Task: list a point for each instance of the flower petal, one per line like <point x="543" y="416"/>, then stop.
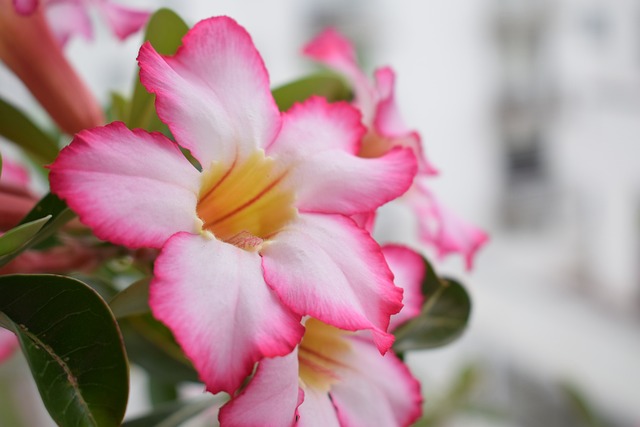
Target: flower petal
<point x="317" y="410"/>
<point x="122" y="20"/>
<point x="132" y="188"/>
<point x="318" y="144"/>
<point x="8" y="344"/>
<point x="14" y="174"/>
<point x="388" y="122"/>
<point x="67" y="18"/>
<point x="214" y="93"/>
<point x="25" y="7"/>
<point x="442" y="228"/>
<point x="213" y="297"/>
<point x="335" y="51"/>
<point x="408" y="270"/>
<point x="327" y="267"/>
<point x="271" y="398"/>
<point x="375" y="390"/>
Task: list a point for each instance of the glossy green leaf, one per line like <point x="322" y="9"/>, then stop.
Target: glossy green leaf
<point x="132" y="300"/>
<point x="443" y="318"/>
<point x="15" y="238"/>
<point x="18" y="128"/>
<point x="174" y="414"/>
<point x="49" y="206"/>
<point x="164" y="31"/>
<point x="73" y="346"/>
<point x="329" y="86"/>
<point x="151" y="346"/>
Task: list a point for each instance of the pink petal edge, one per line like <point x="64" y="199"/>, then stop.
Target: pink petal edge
<point x="408" y="269"/>
<point x="271" y="398"/>
<point x="326" y="267"/>
<point x="132" y="188"/>
<point x="214" y="92"/>
<point x="214" y="299"/>
<point x="325" y="170"/>
<point x="375" y="391"/>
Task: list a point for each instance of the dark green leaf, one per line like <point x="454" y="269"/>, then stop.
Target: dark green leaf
<point x="174" y="414"/>
<point x="164" y="31"/>
<point x="132" y="300"/>
<point x="18" y="128"/>
<point x="72" y="344"/>
<point x="443" y="318"/>
<point x="162" y="392"/>
<point x="329" y="86"/>
<point x="151" y="346"/>
<point x="13" y="239"/>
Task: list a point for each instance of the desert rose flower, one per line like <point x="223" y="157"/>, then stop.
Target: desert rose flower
<point x="30" y="50"/>
<point x="438" y="225"/>
<point x="262" y="234"/>
<point x="336" y="378"/>
<point x="69" y="17"/>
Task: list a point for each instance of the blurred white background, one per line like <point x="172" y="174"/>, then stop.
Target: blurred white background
<point x="531" y="111"/>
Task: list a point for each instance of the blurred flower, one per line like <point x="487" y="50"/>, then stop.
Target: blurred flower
<point x="8" y="344"/>
<point x="386" y="130"/>
<point x="16" y="197"/>
<point x="260" y="237"/>
<point x="443" y="228"/>
<point x="16" y="200"/>
<point x="30" y="50"/>
<point x="69" y="17"/>
<point x="337" y="378"/>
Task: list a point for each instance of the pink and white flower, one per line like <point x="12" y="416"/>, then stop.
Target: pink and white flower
<point x="439" y="226"/>
<point x="336" y="378"/>
<point x="262" y="235"/>
<point x="70" y="17"/>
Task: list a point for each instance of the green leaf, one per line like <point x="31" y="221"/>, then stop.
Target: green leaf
<point x="17" y="127"/>
<point x="13" y="239"/>
<point x="581" y="406"/>
<point x="73" y="346"/>
<point x="175" y="413"/>
<point x="164" y="31"/>
<point x="132" y="300"/>
<point x="443" y="318"/>
<point x="119" y="110"/>
<point x="151" y="345"/>
<point x="329" y="86"/>
<point x="49" y="206"/>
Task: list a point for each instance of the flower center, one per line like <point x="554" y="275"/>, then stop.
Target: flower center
<point x="246" y="203"/>
<point x="318" y="355"/>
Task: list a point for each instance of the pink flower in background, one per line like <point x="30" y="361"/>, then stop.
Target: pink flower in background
<point x="439" y="227"/>
<point x="262" y="235"/>
<point x="8" y="344"/>
<point x="30" y="50"/>
<point x="16" y="198"/>
<point x="69" y="17"/>
<point x="443" y="228"/>
<point x="336" y="378"/>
